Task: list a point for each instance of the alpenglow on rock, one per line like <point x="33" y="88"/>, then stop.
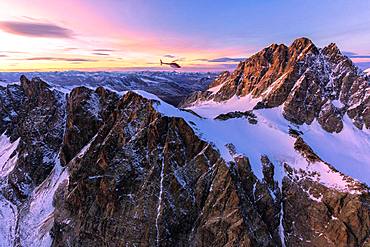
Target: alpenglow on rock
<point x="305" y="81"/>
<point x="93" y="167"/>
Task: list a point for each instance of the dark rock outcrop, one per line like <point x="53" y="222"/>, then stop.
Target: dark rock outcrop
<point x="34" y="113"/>
<point x="86" y="111"/>
<point x="249" y="115"/>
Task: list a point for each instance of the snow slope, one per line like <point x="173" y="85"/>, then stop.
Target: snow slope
<point x="7" y="161"/>
<point x="37" y="218"/>
<point x="347" y="151"/>
<point x="8" y="219"/>
<point x="31" y="222"/>
<point x="8" y="211"/>
<point x="212" y="109"/>
<point x="269" y="137"/>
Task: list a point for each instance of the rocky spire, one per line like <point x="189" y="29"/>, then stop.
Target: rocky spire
<point x="301" y="47"/>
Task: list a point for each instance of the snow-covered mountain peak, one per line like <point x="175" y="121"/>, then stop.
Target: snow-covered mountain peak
<point x="308" y="82"/>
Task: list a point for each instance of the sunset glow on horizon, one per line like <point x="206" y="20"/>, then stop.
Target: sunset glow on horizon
<point x="201" y="36"/>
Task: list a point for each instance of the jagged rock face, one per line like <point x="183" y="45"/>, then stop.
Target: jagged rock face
<point x="33" y="113"/>
<point x="329" y="219"/>
<point x="307" y="81"/>
<point x="220" y="79"/>
<point x="259" y="72"/>
<point x="11" y="99"/>
<point x="86" y="111"/>
<point x="153" y="175"/>
<point x="336" y="225"/>
<point x="108" y="182"/>
<point x="201" y="96"/>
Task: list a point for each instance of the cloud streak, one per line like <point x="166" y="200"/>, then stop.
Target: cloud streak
<point x="363" y="65"/>
<point x="59" y="59"/>
<point x="69" y="49"/>
<point x="225" y="60"/>
<point x="100" y="54"/>
<point x="13" y="52"/>
<point x="222" y="60"/>
<point x="35" y="29"/>
<point x="103" y="50"/>
<point x="354" y="55"/>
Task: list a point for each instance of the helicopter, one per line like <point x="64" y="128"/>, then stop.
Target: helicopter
<point x="173" y="64"/>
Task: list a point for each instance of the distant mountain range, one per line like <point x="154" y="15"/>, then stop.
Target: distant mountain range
<point x="275" y="153"/>
<point x="170" y="86"/>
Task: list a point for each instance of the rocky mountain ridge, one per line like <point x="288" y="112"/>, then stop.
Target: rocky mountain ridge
<point x="307" y="82"/>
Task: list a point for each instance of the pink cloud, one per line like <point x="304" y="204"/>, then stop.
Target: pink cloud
<point x="35" y="29"/>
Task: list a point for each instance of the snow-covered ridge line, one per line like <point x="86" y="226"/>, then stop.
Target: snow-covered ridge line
<point x="270" y="136"/>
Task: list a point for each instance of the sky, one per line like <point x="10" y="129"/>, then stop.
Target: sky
<point x="207" y="35"/>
